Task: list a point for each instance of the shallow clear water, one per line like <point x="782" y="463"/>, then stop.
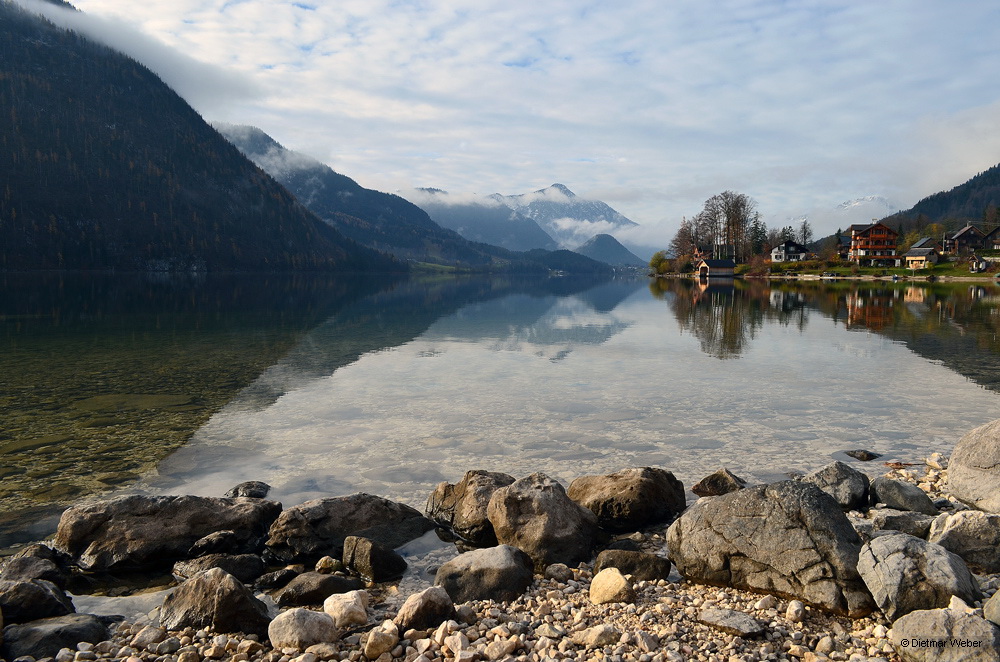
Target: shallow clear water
<point x="395" y="391"/>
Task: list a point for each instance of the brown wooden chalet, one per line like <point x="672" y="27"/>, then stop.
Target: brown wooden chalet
<point x="715" y="268"/>
<point x="968" y="239"/>
<point x="873" y="245"/>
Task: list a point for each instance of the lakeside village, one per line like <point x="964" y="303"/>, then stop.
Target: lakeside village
<point x="873" y="251"/>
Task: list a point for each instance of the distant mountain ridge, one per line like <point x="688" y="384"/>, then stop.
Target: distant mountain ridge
<point x="105" y="167"/>
<point x="605" y="248"/>
<point x="569" y="219"/>
<point x="484" y="220"/>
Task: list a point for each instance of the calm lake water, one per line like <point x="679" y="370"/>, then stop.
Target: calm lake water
<point x="327" y="386"/>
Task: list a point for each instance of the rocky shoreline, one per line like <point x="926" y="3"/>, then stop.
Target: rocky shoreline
<point x="831" y="565"/>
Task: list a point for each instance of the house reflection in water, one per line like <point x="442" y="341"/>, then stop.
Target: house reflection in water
<point x="871" y="309"/>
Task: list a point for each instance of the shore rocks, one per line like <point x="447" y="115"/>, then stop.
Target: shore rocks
<point x="732" y="622"/>
<point x="609" y="585"/>
<point x="26" y="568"/>
<point x="347" y="609"/>
<point x="642" y="566"/>
<point x="974" y="468"/>
<point x="496" y="573"/>
<point x="301" y="628"/>
<point x="973" y="535"/>
<point x="214" y="599"/>
<point x="311" y="588"/>
<point x="372" y="561"/>
<point x="630" y="499"/>
<point x="22" y="601"/>
<point x="905" y="574"/>
<point x="788" y="538"/>
<point x="244" y="567"/>
<point x="848" y="486"/>
<point x="251" y="489"/>
<point x="721" y="482"/>
<point x="462" y="507"/>
<point x="425" y="610"/>
<point x="904" y="521"/>
<point x="535" y="515"/>
<point x="147" y="531"/>
<point x="318" y="528"/>
<point x="47" y="636"/>
<point x="901" y="495"/>
<point x="945" y="635"/>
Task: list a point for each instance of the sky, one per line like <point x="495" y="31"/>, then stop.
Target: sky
<point x="652" y="106"/>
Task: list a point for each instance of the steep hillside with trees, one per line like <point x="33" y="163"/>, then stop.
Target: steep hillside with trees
<point x="974" y="201"/>
<point x="102" y="166"/>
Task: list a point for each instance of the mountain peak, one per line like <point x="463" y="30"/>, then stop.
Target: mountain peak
<point x="561" y="188"/>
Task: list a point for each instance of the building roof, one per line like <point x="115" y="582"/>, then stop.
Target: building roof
<point x="790" y="246"/>
<point x="923" y="242"/>
<point x="860" y="229"/>
<point x="920" y="252"/>
<point x="719" y="264"/>
<point x="967" y="228"/>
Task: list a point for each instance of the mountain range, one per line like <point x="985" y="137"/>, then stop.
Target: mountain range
<point x="605" y="248"/>
<point x="105" y="167"/>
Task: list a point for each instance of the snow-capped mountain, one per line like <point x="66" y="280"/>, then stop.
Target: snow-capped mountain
<point x="864" y="209"/>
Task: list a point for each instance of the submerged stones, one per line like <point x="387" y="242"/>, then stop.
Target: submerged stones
<point x="788" y="538"/>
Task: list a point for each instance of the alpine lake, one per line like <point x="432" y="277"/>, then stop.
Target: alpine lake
<point x="329" y="385"/>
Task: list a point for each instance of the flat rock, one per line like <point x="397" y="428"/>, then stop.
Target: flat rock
<point x="597" y="636"/>
<point x="301" y="628"/>
<point x="244" y="567"/>
<point x="318" y="528"/>
<point x="974" y="468"/>
<point x="155" y="531"/>
<point x="24" y="601"/>
<point x="721" y="482"/>
<point x="371" y="560"/>
<point x="945" y="635"/>
<point x="26" y="568"/>
<point x="462" y="507"/>
<point x="902" y="495"/>
<point x="312" y="588"/>
<point x="973" y="535"/>
<point x="789" y="538"/>
<point x="45" y="637"/>
<point x="630" y="499"/>
<point x="216" y="600"/>
<point x="906" y="574"/>
<point x="732" y="622"/>
<point x="863" y="455"/>
<point x="535" y="515"/>
<point x="499" y="573"/>
<point x="848" y="486"/>
<point x="905" y="521"/>
<point x="642" y="566"/>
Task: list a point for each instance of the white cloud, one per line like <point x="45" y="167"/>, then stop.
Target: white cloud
<point x="801" y="106"/>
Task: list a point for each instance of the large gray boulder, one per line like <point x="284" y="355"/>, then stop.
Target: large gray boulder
<point x="462" y="507"/>
<point x="902" y="495"/>
<point x="535" y="515"/>
<point x="789" y="538"/>
<point x="45" y="637"/>
<point x="318" y="528"/>
<point x="26" y="568"/>
<point x="905" y="574"/>
<point x="216" y="600"/>
<point x="154" y="531"/>
<point x="974" y="468"/>
<point x="848" y="486"/>
<point x="425" y="610"/>
<point x="630" y="499"/>
<point x="499" y="573"/>
<point x="904" y="521"/>
<point x="301" y="628"/>
<point x="945" y="635"/>
<point x="973" y="535"/>
<point x="22" y="601"/>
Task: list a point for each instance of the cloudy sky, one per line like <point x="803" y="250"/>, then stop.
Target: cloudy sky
<point x="650" y="105"/>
